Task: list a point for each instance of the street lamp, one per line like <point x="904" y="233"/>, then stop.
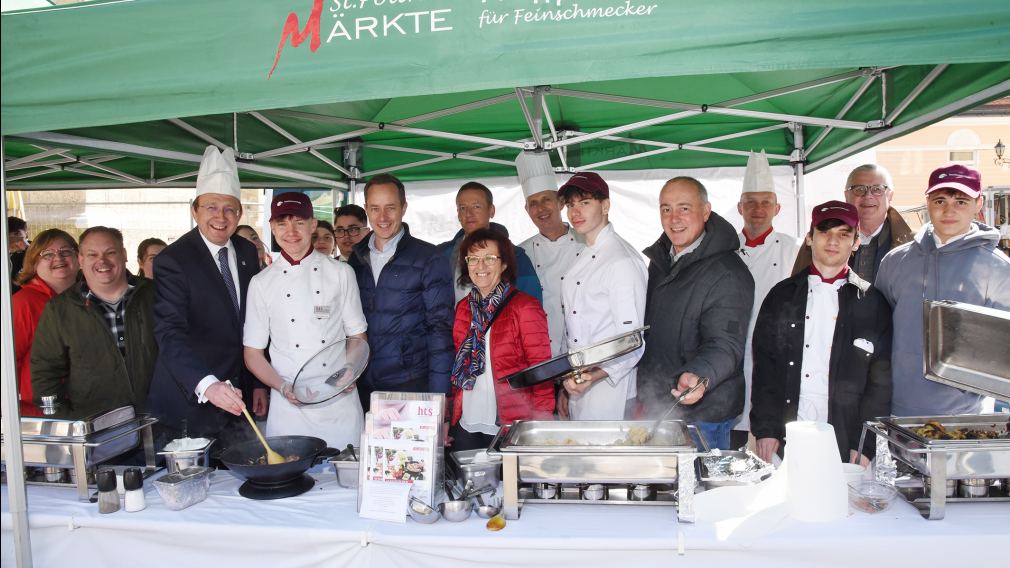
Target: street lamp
<point x="1000" y="160"/>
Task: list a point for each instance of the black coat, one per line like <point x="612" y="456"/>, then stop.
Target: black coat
<point x="198" y="331"/>
<point x="859" y="383"/>
<point x="698" y="311"/>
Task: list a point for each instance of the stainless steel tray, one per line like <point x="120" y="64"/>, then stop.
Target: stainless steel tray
<point x="607" y="349"/>
<point x="966" y="347"/>
<point x="594" y="437"/>
<point x="73" y="430"/>
<point x="588" y="451"/>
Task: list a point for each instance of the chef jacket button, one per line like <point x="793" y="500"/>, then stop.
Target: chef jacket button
<point x="574" y="312"/>
<point x="575" y="341"/>
<point x="807" y="345"/>
<point x="577" y="283"/>
<point x="323" y="341"/>
<point x="538" y="266"/>
<point x="285" y="272"/>
<point x="594" y="256"/>
<point x="775" y="264"/>
<point x="788" y="401"/>
<point x="791" y="363"/>
<point x="292" y="320"/>
<point x="563" y="276"/>
<point x="808" y="317"/>
<point x="296" y="345"/>
<point x="807" y="375"/>
<point x="315" y="268"/>
<point x="317" y="291"/>
<point x="793" y="324"/>
<point x="288" y="295"/>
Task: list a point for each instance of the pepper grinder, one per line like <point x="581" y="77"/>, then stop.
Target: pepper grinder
<point x="108" y="497"/>
<point x="133" y="482"/>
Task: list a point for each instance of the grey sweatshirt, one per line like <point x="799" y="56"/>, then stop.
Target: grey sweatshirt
<point x="969" y="270"/>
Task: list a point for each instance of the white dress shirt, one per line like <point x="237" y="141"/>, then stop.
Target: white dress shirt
<point x="818" y="335"/>
<point x="603" y="295"/>
<point x="206" y="382"/>
<point x="380" y="258"/>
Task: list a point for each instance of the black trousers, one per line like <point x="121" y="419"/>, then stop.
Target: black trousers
<point x="463" y="440"/>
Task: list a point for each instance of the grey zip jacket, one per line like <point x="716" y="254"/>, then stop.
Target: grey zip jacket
<point x="970" y="269"/>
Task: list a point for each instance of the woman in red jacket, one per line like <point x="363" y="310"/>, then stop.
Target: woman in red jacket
<point x="498" y="330"/>
<point x="51" y="266"/>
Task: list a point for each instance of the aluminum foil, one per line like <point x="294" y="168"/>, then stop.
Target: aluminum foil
<point x="735" y="467"/>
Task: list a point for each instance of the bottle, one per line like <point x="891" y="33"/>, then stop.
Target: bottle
<point x="133" y="482"/>
<point x="108" y="497"/>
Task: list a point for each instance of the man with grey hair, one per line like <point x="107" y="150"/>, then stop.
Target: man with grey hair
<point x="700" y="296"/>
<point x="881" y="227"/>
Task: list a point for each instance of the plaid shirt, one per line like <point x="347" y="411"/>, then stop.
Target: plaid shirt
<point x="114" y="316"/>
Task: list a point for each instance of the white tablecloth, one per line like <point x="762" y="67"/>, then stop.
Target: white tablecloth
<point x="321" y="528"/>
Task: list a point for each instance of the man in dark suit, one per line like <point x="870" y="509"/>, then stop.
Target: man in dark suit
<point x="199" y="311"/>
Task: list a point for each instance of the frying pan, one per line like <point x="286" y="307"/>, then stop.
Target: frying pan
<point x="242" y="458"/>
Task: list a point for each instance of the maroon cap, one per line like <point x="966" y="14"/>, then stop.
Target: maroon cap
<point x="291" y="203"/>
<point x="586" y="182"/>
<point x="961" y="178"/>
<point x="844" y="212"/>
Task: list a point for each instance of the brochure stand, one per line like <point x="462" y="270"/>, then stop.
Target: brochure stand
<point x="402" y="453"/>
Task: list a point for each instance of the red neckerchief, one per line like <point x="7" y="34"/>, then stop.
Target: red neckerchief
<point x="294" y="262"/>
<point x="843" y="274"/>
<point x="758" y="240"/>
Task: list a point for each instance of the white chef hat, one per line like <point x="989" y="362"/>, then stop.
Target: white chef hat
<point x="758" y="176"/>
<point x="218" y="173"/>
<point x="536" y="173"/>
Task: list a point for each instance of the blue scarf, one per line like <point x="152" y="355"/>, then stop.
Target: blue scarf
<point x="469" y="363"/>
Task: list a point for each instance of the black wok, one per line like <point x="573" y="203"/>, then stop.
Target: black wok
<point x="243" y="459"/>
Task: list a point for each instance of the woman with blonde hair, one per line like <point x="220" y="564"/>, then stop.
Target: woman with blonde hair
<point x="51" y="266"/>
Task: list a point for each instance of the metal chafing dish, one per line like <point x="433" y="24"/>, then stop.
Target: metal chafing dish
<point x="556" y="462"/>
<point x="80" y="445"/>
<point x="965" y="347"/>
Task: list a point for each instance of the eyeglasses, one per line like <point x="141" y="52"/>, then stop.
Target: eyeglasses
<point x="214" y="210"/>
<point x="489" y="260"/>
<point x="862" y="190"/>
<point x="352" y="231"/>
<point x="50" y="255"/>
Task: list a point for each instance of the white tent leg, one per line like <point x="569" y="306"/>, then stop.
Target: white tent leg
<point x="801" y="200"/>
<point x="16" y="496"/>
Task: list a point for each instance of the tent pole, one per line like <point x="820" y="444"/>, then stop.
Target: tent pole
<point x="16" y="495"/>
<point x="797" y="159"/>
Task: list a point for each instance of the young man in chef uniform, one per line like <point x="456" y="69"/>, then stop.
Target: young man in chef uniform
<point x="302" y="303"/>
<point x="556" y="245"/>
<point x="768" y="254"/>
<point x="602" y="296"/>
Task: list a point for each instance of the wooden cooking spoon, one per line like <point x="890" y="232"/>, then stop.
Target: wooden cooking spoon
<point x="273" y="457"/>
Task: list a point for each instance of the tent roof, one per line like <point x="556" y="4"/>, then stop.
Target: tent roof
<point x="128" y="93"/>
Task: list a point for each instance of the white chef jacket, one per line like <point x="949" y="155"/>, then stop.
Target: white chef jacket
<point x="603" y="295"/>
<point x="769" y="263"/>
<point x="552" y="259"/>
<point x="818" y="335"/>
<point x="298" y="310"/>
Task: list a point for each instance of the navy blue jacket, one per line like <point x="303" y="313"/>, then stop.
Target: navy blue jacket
<point x="409" y="313"/>
<point x="198" y="332"/>
<point x="526" y="276"/>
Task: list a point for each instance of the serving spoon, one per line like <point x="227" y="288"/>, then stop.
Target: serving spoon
<point x="273" y="457"/>
<point x="702" y="382"/>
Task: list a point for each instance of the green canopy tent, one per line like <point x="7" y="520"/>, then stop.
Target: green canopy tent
<point x="314" y="93"/>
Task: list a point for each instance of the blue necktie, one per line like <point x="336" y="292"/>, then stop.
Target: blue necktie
<point x="229" y="282"/>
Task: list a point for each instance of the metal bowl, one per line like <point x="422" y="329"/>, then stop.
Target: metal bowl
<point x="421" y="512"/>
<point x="455" y="511"/>
<point x="487" y="511"/>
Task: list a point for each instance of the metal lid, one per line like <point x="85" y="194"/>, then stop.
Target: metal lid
<point x="965" y="347"/>
<point x="331" y="371"/>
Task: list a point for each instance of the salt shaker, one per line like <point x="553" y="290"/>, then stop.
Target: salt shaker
<point x="133" y="482"/>
<point x="108" y="497"/>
